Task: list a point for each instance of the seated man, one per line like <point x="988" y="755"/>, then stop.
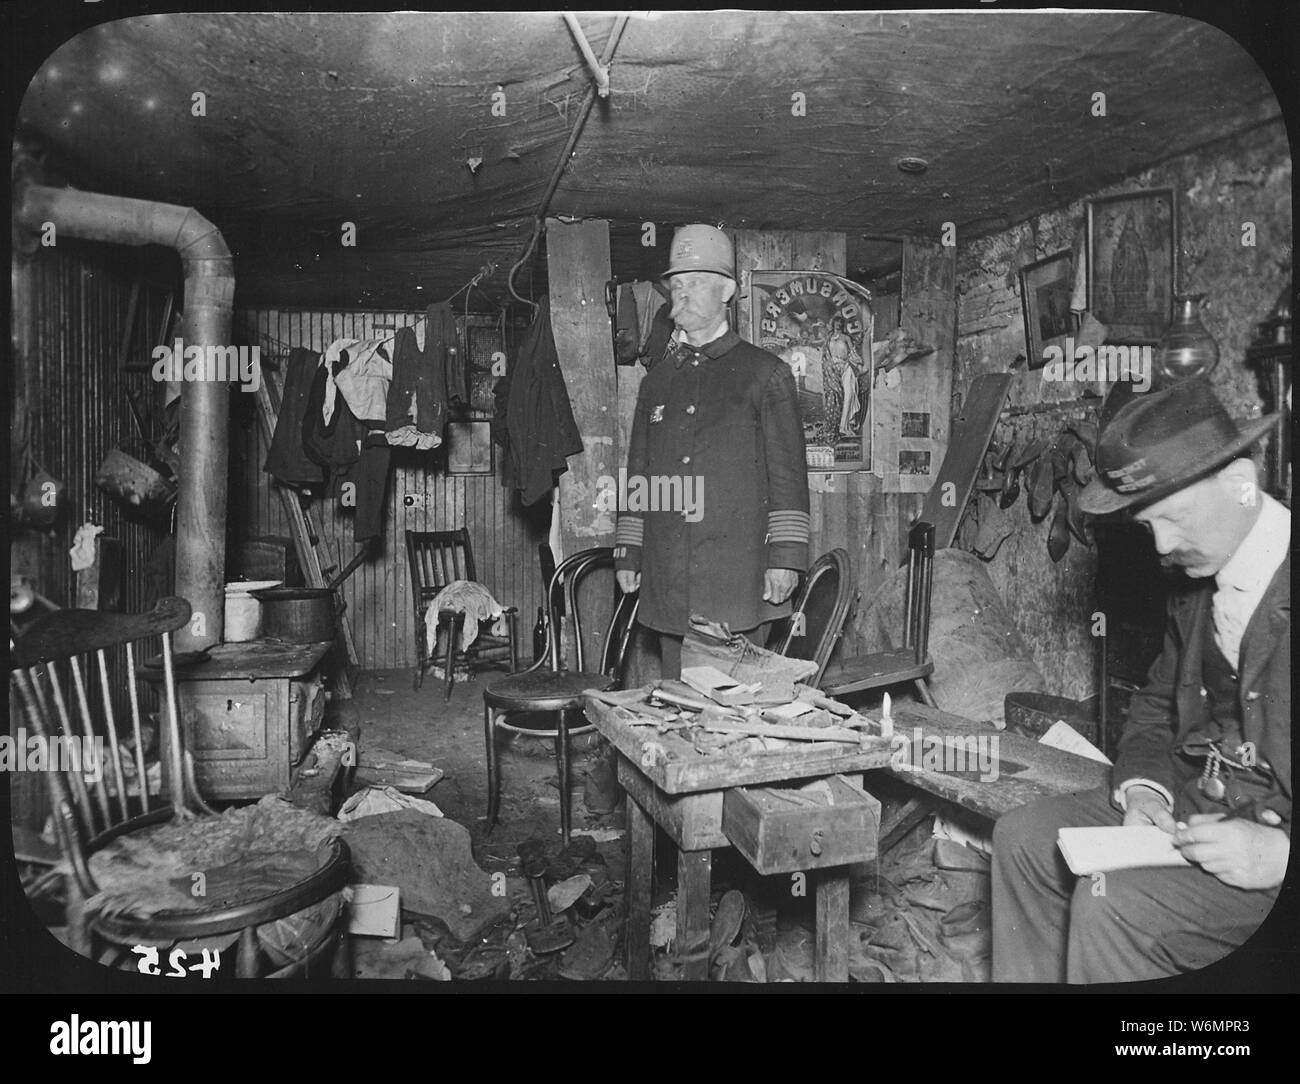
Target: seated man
<point x="1206" y="752"/>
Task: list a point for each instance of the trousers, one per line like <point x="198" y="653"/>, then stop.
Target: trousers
<point x="1123" y="926"/>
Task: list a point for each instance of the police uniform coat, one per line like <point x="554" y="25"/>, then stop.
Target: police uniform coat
<point x="1171" y="708"/>
<point x="725" y="419"/>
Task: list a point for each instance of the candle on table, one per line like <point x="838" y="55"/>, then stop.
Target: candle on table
<point x="886" y="720"/>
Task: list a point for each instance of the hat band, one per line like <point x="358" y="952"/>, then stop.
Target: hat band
<point x="1166" y="462"/>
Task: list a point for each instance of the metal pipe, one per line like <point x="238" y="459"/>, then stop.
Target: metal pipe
<point x="205" y="404"/>
<point x="584" y="112"/>
<point x="598" y="70"/>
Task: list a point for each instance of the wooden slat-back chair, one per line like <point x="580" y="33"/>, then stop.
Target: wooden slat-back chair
<point x="911" y="661"/>
<point x="70" y="668"/>
<point x="436" y="559"/>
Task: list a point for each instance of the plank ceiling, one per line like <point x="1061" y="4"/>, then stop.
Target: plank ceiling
<point x="314" y="120"/>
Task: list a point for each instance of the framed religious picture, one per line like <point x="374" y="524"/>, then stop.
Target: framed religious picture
<point x="1131" y="246"/>
<point x="822" y="329"/>
<point x="1045" y="289"/>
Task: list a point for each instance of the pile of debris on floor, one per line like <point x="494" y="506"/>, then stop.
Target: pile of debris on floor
<point x="919" y="914"/>
<point x="551" y="912"/>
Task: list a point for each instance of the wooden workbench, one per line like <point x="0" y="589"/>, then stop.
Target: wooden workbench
<point x="671" y="785"/>
<point x="1026" y="770"/>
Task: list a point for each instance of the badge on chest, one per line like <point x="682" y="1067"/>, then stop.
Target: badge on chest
<point x="657" y="413"/>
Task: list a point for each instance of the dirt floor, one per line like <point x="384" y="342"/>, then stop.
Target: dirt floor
<point x="469" y="912"/>
<point x="912" y="922"/>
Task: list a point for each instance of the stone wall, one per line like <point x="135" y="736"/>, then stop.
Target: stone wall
<point x="1217" y="189"/>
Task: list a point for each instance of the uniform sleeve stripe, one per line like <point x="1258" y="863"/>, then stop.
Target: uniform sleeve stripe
<point x="788" y="526"/>
<point x="630" y="531"/>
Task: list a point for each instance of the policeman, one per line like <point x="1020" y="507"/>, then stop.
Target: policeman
<point x="717" y="431"/>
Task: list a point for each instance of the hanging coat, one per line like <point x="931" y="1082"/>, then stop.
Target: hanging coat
<point x="434" y="376"/>
<point x="541" y="432"/>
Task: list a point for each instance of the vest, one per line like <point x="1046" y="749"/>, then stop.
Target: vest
<point x="1221" y="723"/>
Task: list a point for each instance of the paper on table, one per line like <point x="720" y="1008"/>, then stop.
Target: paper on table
<point x="1061" y="735"/>
<point x="705" y="678"/>
<point x="1101" y="850"/>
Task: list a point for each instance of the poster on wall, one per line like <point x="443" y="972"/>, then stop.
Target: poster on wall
<point x="822" y="329"/>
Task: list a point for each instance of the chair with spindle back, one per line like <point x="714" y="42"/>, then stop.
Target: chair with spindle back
<point x="545" y="687"/>
<point x="911" y="661"/>
<point x="816" y="622"/>
<point x="66" y="668"/>
<point x="439" y="558"/>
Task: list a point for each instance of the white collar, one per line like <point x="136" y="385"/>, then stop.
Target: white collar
<point x="679" y="335"/>
<point x="1253" y="562"/>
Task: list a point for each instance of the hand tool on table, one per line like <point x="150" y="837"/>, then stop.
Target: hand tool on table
<point x="812" y="696"/>
<point x="787" y="733"/>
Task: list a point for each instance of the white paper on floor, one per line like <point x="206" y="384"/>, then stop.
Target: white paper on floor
<point x="663" y="928"/>
<point x="374" y="800"/>
<point x="600" y="835"/>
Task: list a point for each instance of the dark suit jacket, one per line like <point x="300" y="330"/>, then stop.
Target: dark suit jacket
<point x="1171" y="707"/>
<point x="728" y="418"/>
<point x="540" y="431"/>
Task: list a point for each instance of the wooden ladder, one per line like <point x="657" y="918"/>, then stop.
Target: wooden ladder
<point x="307" y="540"/>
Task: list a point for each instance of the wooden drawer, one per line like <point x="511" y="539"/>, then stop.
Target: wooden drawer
<point x="779" y="833"/>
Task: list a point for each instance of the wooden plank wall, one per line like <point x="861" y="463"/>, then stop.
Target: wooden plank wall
<point x="503" y="534"/>
<point x="577" y="267"/>
<point x="848" y="508"/>
<point x="69" y="408"/>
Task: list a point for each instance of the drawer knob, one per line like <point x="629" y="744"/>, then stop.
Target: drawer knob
<point x="815" y="844"/>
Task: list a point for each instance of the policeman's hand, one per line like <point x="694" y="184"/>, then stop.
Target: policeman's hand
<point x="779" y="584"/>
<point x="1241" y="853"/>
<point x="628" y="581"/>
<point x="1145" y="806"/>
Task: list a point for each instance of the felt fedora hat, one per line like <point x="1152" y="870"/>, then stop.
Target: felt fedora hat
<point x="1161" y="441"/>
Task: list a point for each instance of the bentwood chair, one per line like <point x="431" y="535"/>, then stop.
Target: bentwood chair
<point x="439" y="558"/>
<point x="911" y="661"/>
<point x="82" y="682"/>
<point x="816" y="622"/>
<point x="546" y="688"/>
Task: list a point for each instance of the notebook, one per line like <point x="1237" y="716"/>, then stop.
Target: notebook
<point x="1100" y="850"/>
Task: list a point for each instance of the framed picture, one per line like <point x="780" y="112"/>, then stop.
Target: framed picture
<point x="469" y="447"/>
<point x="1045" y="289"/>
<point x="822" y="329"/>
<point x="1131" y="245"/>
